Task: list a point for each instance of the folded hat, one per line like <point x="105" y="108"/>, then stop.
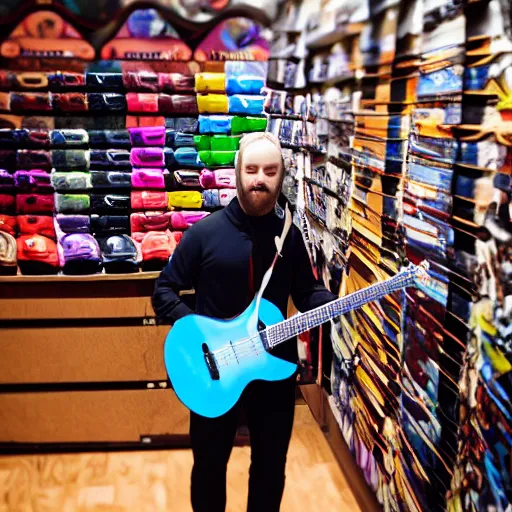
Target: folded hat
<point x="185" y="199"/>
<point x="188" y="158"/>
<point x="107" y="101"/>
<point x="69" y="139"/>
<point x="71" y="180"/>
<point x="65" y="80"/>
<point x="212" y="104"/>
<point x="115" y="159"/>
<point x="110" y="224"/>
<point x="147" y="136"/>
<point x="246" y="104"/>
<point x="72" y="203"/>
<point x="140" y="81"/>
<point x="24" y="139"/>
<point x="34" y="203"/>
<point x="234" y="68"/>
<point x="175" y="82"/>
<point x="118" y="139"/>
<point x="148" y="178"/>
<point x="8" y="250"/>
<point x="244" y="84"/>
<point x="71" y="159"/>
<point x="31" y="159"/>
<point x="184" y="219"/>
<point x="104" y="82"/>
<point x="214" y="124"/>
<point x="111" y="179"/>
<point x="110" y="203"/>
<point x="81" y="254"/>
<point x="73" y="223"/>
<point x="30" y="101"/>
<point x="142" y="102"/>
<point x="40" y="224"/>
<point x="141" y="121"/>
<point x="35" y="180"/>
<point x="177" y="104"/>
<point x="183" y="139"/>
<point x="225" y="143"/>
<point x="183" y="124"/>
<point x="147" y="157"/>
<point x="182" y="179"/>
<point x="37" y="254"/>
<point x="156" y="248"/>
<point x="150" y="221"/>
<point x="70" y="102"/>
<point x="149" y="200"/>
<point x="202" y="142"/>
<point x="119" y="254"/>
<point x="216" y="142"/>
<point x="248" y="124"/>
<point x="220" y="178"/>
<point x="210" y="82"/>
<point x="217" y="158"/>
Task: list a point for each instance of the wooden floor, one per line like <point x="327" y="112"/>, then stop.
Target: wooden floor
<point x="152" y="481"/>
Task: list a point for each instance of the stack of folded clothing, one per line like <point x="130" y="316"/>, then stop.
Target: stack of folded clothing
<point x="27" y="203"/>
<point x="230" y="103"/>
<point x="149" y="219"/>
<point x="8" y="223"/>
<point x="72" y="181"/>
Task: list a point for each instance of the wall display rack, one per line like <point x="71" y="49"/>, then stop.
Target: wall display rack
<point x="412" y="108"/>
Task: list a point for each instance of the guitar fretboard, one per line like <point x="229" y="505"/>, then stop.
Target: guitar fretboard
<point x="303" y="322"/>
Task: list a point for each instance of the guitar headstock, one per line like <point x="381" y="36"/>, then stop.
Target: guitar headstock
<point x="419" y="272"/>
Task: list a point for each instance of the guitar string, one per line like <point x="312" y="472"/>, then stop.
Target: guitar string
<point x="285" y="324"/>
<point x="246" y="351"/>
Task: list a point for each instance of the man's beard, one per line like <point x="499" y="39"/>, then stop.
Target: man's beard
<point x="257" y="200"/>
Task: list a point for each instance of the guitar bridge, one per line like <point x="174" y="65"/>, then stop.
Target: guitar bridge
<point x="210" y="362"/>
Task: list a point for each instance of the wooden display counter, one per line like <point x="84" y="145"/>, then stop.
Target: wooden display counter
<point x="81" y="365"/>
<point x="81" y="368"/>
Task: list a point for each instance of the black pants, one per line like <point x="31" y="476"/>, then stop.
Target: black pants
<point x="269" y="409"/>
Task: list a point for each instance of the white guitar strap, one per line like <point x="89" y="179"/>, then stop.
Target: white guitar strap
<point x="279" y="240"/>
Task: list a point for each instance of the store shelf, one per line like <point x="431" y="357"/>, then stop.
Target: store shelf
<point x="321" y="38"/>
<point x="139" y="276"/>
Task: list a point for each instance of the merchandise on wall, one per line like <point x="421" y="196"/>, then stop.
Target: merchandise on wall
<point x="412" y="106"/>
<point x="109" y="154"/>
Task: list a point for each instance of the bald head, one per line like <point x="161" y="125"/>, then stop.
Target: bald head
<point x="259" y="173"/>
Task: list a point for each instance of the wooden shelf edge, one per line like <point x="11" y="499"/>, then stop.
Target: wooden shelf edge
<point x="137" y="276"/>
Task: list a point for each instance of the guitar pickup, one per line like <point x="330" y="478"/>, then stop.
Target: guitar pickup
<point x="210" y="362"/>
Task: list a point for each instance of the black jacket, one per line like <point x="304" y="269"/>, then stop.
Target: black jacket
<point x="224" y="258"/>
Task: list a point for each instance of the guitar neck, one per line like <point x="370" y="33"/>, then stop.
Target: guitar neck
<point x="303" y="322"/>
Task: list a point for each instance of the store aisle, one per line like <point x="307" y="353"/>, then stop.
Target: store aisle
<point x="158" y="480"/>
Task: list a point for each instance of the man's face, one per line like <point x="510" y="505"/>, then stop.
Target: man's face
<point x="260" y="177"/>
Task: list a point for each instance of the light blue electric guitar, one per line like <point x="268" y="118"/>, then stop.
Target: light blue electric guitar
<point x="210" y="362"/>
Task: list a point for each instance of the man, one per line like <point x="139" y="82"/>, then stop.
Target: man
<point x="224" y="258"/>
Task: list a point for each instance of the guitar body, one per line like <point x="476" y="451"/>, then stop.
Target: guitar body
<point x="238" y="362"/>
